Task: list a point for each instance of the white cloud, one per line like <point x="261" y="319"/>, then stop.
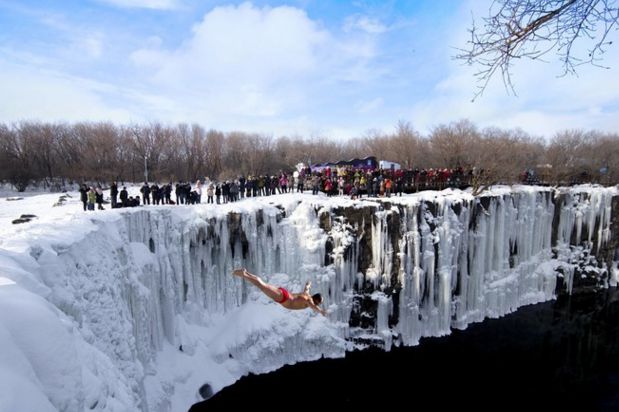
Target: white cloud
<point x="38" y="95"/>
<point x="145" y="4"/>
<point x="365" y="24"/>
<point x="91" y="44"/>
<point x="78" y="39"/>
<point x="545" y="102"/>
<point x="365" y="107"/>
<point x="259" y="69"/>
<point x="255" y="62"/>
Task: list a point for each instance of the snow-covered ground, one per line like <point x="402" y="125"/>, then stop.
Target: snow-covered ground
<point x="128" y="309"/>
<point x="53" y="358"/>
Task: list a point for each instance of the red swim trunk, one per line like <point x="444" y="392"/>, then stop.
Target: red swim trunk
<point x="285" y="296"/>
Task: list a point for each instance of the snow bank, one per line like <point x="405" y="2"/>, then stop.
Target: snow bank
<point x="135" y="309"/>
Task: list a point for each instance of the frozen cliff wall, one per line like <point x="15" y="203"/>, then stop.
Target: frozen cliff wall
<point x="446" y="262"/>
<point x="147" y="297"/>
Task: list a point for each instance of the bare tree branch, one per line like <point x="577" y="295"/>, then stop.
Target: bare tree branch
<point x="516" y="29"/>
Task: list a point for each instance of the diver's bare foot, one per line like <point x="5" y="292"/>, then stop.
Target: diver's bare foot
<point x="238" y="272"/>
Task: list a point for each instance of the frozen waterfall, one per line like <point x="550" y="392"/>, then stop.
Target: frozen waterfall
<point x="140" y="309"/>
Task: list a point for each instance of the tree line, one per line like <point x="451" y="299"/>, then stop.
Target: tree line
<point x="32" y="151"/>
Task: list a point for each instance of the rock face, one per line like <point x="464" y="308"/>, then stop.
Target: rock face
<point x="390" y="270"/>
<point x="423" y="268"/>
<point x="397" y="269"/>
<point x="608" y="254"/>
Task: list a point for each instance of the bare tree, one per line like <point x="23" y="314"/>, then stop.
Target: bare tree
<point x="292" y="150"/>
<point x="407" y="147"/>
<point x="604" y="155"/>
<point x="151" y="145"/>
<point x="566" y="156"/>
<point x="142" y="147"/>
<point x="31" y="151"/>
<point x="451" y="144"/>
<point x="516" y="29"/>
<point x="374" y="143"/>
<point x="321" y="149"/>
<point x="260" y="157"/>
<point x="235" y="154"/>
<point x="39" y="142"/>
<point x="71" y="148"/>
<point x="214" y="147"/>
<point x="526" y="151"/>
<point x="124" y="157"/>
<point x="101" y="152"/>
<point x="198" y="152"/>
<point x="16" y="161"/>
<point x="495" y="157"/>
<point x="163" y="162"/>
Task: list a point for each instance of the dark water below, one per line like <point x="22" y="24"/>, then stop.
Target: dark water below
<point x="558" y="354"/>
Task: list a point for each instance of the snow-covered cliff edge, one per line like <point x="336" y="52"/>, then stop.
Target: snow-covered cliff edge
<point x="136" y="309"/>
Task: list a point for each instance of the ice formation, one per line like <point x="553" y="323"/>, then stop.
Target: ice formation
<point x="136" y="309"/>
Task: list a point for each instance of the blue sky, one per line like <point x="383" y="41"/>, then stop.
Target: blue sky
<point x="310" y="68"/>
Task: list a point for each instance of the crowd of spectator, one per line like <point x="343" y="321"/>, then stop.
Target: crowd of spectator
<point x="339" y="181"/>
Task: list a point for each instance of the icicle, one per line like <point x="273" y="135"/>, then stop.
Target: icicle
<point x="461" y="259"/>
